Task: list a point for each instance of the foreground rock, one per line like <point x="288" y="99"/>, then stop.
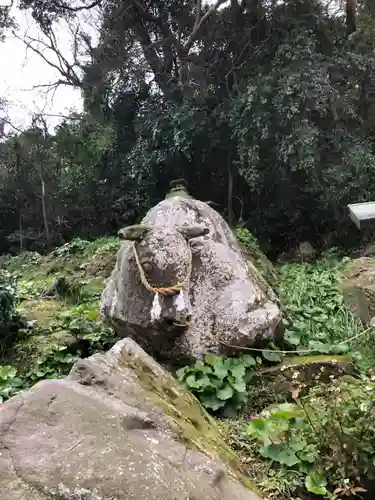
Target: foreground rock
<point x="117" y="428"/>
<point x="220" y="299"/>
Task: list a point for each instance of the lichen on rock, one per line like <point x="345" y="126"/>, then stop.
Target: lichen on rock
<point x="358" y="288"/>
<point x="119" y="427"/>
<point x="296" y="375"/>
<point x="226" y="300"/>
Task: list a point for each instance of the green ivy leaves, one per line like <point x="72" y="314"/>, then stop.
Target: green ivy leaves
<point x="318" y="319"/>
<point x="10" y="384"/>
<point x="8" y="301"/>
<point x="282" y="434"/>
<point x="219" y="382"/>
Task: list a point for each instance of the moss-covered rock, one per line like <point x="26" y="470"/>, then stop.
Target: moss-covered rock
<point x="49" y="289"/>
<point x="253" y="252"/>
<point x="121" y="427"/>
<point x="358" y="288"/>
<point x="295" y="376"/>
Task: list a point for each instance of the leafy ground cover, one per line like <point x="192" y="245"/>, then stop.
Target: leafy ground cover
<point x="300" y="443"/>
<point x="303" y="441"/>
<point x="58" y="298"/>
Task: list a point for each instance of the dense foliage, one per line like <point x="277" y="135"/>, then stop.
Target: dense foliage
<point x="219" y="382"/>
<point x="314" y="439"/>
<point x="56" y="320"/>
<point x="323" y="442"/>
<point x="264" y="108"/>
<point x="8" y="300"/>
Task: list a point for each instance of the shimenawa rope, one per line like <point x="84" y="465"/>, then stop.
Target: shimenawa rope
<point x="168" y="290"/>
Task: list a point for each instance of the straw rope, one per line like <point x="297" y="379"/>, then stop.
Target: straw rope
<point x="167" y="290"/>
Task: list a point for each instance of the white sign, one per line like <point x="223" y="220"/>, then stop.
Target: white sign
<point x="363" y="214"/>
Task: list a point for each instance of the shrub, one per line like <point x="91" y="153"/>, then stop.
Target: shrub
<point x="8" y="302"/>
<point x="327" y="437"/>
<point x="317" y="318"/>
<point x="10" y="384"/>
<point x="77" y="245"/>
<point x="219" y="382"/>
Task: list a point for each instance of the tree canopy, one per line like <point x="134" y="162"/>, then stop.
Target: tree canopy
<point x="265" y="108"/>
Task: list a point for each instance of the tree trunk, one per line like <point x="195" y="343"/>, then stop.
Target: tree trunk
<point x="44" y="210"/>
<point x="230" y="191"/>
<point x="20" y="226"/>
<point x="351" y="11"/>
<point x="20" y="204"/>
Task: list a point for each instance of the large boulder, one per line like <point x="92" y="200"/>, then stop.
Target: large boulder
<point x="220" y="301"/>
<point x="119" y="427"/>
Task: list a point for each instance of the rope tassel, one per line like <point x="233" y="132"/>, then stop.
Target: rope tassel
<point x="156" y="308"/>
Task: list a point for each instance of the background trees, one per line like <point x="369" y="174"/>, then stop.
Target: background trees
<point x="266" y="108"/>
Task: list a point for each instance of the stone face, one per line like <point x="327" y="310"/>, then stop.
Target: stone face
<point x="119" y="427"/>
<point x="224" y="302"/>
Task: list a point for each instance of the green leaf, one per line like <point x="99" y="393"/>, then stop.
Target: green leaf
<point x="316" y="483"/>
<point x="320" y="347"/>
<point x="195" y="381"/>
<point x="211" y="402"/>
<point x="217" y="383"/>
<point x="191" y="381"/>
<point x="306" y="467"/>
<point x="248" y="360"/>
<point x="280" y="453"/>
<point x="220" y="371"/>
<point x="228" y="363"/>
<point x="274" y="357"/>
<point x="288" y="411"/>
<point x="239" y="386"/>
<point x="292" y="338"/>
<point x="238" y="371"/>
<point x="217" y="364"/>
<point x="307" y="456"/>
<point x="7" y="372"/>
<point x="180" y="373"/>
<point x="340" y="349"/>
<point x="298" y="445"/>
<point x="92" y="315"/>
<point x="256" y="426"/>
<point x="260" y="429"/>
<point x="225" y="393"/>
<point x="212" y="359"/>
<point x="240" y="398"/>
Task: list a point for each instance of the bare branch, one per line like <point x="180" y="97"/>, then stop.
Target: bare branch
<point x="53" y="85"/>
<point x="8" y="122"/>
<point x="198" y="13"/>
<point x="182" y="50"/>
<point x="72" y="117"/>
<point x="29" y="46"/>
<point x="91" y="5"/>
<point x="197" y="28"/>
<point x="167" y="33"/>
<point x="66" y="69"/>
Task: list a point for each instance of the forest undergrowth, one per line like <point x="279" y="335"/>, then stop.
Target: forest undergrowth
<point x="300" y="414"/>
